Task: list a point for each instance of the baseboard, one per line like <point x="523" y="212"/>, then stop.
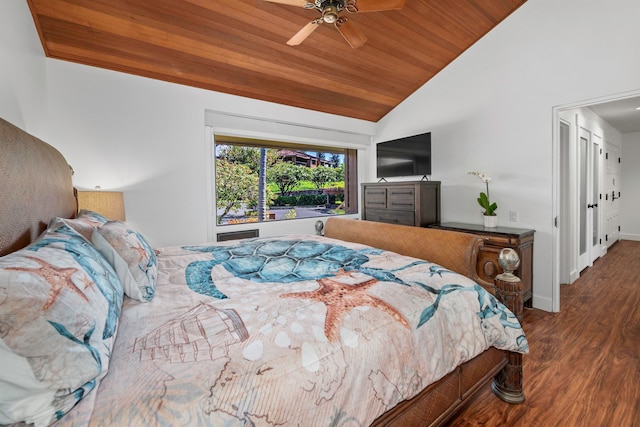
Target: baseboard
<point x="626" y="236"/>
<point x="542" y="303"/>
<point x="573" y="276"/>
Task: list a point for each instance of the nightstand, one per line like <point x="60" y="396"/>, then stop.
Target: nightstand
<point x="496" y="239"/>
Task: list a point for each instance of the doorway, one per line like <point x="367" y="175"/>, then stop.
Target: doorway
<point x="581" y="231"/>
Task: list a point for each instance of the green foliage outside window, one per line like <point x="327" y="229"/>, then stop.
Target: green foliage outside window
<point x="287" y="175"/>
<point x="237" y="170"/>
<point x="235" y="184"/>
<point x="322" y="175"/>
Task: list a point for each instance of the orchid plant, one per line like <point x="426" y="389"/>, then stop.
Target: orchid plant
<point x="483" y="200"/>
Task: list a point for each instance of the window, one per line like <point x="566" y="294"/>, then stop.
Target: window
<point x="260" y="180"/>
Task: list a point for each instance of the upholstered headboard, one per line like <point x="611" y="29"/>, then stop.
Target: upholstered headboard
<point x="35" y="186"/>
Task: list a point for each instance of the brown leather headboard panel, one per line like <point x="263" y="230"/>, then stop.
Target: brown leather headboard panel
<point x="35" y="186"/>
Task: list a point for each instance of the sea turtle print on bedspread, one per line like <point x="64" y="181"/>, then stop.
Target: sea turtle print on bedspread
<point x="294" y="331"/>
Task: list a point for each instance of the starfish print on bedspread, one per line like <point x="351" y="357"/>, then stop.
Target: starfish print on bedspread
<point x="339" y="298"/>
<point x="58" y="278"/>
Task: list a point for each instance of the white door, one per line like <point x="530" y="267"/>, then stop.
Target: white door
<point x="566" y="213"/>
<point x="589" y="155"/>
<point x="596" y="206"/>
<point x="611" y="194"/>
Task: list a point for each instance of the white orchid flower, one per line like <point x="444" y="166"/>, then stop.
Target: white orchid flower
<point x="484" y="197"/>
<point x="483" y="176"/>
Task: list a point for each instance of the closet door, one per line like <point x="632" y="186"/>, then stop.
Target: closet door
<point x="610" y="200"/>
<point x="589" y="160"/>
<point x="596" y="206"/>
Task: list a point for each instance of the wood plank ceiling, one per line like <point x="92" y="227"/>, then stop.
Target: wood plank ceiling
<point x="239" y="46"/>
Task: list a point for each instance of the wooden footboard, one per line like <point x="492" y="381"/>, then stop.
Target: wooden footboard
<point x="458" y="252"/>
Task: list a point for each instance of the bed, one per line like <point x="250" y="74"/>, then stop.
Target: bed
<point x="370" y="324"/>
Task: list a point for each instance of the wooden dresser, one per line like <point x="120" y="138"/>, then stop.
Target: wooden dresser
<point x="496" y="239"/>
<point x="408" y="203"/>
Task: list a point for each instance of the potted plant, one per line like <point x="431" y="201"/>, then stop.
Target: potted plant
<point x="489" y="215"/>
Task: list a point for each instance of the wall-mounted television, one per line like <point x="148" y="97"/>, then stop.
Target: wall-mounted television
<point x="406" y="156"/>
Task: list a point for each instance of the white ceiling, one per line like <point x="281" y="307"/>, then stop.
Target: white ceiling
<point x="620" y="114"/>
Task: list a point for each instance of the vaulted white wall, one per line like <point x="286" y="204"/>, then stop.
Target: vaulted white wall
<point x="22" y="67"/>
<point x="491" y="109"/>
<point x="148" y="138"/>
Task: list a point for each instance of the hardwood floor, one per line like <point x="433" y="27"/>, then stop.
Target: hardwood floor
<point x="584" y="363"/>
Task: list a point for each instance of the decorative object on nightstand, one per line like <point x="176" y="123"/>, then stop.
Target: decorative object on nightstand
<point x="509" y="261"/>
<point x="489" y="216"/>
<point x="107" y="203"/>
<point x="490" y="221"/>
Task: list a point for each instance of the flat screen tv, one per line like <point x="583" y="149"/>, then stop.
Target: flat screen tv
<point x="406" y="156"/>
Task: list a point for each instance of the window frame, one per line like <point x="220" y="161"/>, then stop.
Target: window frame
<point x="273" y="124"/>
<point x="350" y="161"/>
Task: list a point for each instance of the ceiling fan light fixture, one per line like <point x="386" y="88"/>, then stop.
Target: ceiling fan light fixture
<point x="330" y="11"/>
<point x="330" y="14"/>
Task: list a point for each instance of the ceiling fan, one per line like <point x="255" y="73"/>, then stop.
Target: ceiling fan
<point x="330" y="14"/>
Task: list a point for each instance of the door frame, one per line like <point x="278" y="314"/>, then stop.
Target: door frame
<point x="567" y="268"/>
<point x="556" y="191"/>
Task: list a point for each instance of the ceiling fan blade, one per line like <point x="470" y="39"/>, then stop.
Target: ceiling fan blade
<point x="378" y="5"/>
<point x="303" y="33"/>
<point x="351" y="33"/>
<point x="301" y="3"/>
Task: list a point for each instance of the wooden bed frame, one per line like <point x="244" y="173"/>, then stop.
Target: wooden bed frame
<point x="35" y="186"/>
<point x="457" y="252"/>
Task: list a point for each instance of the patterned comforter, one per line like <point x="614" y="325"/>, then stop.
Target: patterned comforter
<point x="290" y="331"/>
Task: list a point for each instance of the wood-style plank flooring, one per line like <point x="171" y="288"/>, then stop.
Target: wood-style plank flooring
<point x="584" y="363"/>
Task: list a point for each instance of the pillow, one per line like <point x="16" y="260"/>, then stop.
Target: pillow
<point x="81" y="226"/>
<point x="60" y="302"/>
<point x="92" y="217"/>
<point x="131" y="256"/>
<point x="83" y="223"/>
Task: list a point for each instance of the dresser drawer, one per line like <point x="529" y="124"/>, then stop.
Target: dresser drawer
<point x="500" y="241"/>
<point x="401" y="198"/>
<point x="391" y="217"/>
<point x="375" y="198"/>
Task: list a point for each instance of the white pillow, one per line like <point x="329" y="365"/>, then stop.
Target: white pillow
<point x="131" y="256"/>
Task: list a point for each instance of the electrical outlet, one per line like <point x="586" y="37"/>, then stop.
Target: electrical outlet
<point x="513" y="216"/>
